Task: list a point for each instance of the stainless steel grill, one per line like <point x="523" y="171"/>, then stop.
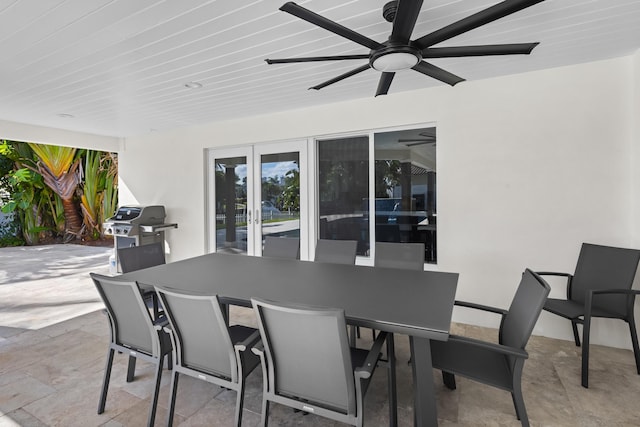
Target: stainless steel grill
<point x="137" y="226"/>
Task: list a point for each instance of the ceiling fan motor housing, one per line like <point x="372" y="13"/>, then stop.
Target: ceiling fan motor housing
<point x="394" y="57"/>
<point x="389" y="10"/>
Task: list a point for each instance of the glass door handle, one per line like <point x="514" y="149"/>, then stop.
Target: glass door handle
<point x="249" y="216"/>
<point x="257" y="216"/>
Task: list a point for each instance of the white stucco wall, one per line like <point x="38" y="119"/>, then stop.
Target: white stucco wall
<point x="634" y="101"/>
<point x="529" y="167"/>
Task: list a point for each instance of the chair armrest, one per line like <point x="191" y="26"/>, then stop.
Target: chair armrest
<point x="248" y="342"/>
<point x="366" y="370"/>
<point x="481" y="307"/>
<point x="569" y="277"/>
<point x="507" y="351"/>
<point x="588" y="301"/>
<point x="553" y="273"/>
<point x="615" y="291"/>
<point x="258" y="349"/>
<point x="160" y="323"/>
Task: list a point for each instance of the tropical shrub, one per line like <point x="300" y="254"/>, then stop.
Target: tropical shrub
<point x="57" y="191"/>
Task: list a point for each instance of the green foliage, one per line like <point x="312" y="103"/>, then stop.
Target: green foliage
<point x="90" y="200"/>
<point x="99" y="191"/>
<point x="38" y="209"/>
<point x="10" y="233"/>
<point x="388" y="174"/>
<point x="110" y="187"/>
<point x="25" y="191"/>
<point x="291" y="191"/>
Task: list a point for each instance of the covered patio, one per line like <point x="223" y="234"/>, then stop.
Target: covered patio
<point x="53" y="340"/>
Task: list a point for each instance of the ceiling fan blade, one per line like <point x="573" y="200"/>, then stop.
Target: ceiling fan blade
<point x="384" y="83"/>
<point x="405" y="20"/>
<point x="327" y="24"/>
<point x="316" y="59"/>
<point x="420" y="140"/>
<point x="413" y="144"/>
<point x="483" y="50"/>
<point x="341" y="77"/>
<point x="437" y="73"/>
<point x="476" y="20"/>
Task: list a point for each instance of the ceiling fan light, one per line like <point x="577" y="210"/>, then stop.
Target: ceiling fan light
<point x="395" y="61"/>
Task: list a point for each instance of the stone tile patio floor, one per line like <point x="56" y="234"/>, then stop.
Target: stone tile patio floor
<point x="53" y="340"/>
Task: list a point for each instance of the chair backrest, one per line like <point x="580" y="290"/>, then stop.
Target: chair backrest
<point x="139" y="257"/>
<point x="281" y="247"/>
<point x="518" y="324"/>
<point x="409" y="256"/>
<point x="604" y="267"/>
<point x="308" y="354"/>
<point x="336" y="251"/>
<point x="130" y="320"/>
<point x="202" y="340"/>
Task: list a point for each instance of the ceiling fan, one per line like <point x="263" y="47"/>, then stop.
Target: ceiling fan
<point x="426" y="137"/>
<point x="399" y="52"/>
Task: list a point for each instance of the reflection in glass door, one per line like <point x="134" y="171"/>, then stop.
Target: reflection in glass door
<point x="255" y="191"/>
<point x="280" y="195"/>
<point x="232" y="204"/>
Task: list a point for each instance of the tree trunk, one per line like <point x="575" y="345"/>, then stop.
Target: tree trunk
<point x="72" y="220"/>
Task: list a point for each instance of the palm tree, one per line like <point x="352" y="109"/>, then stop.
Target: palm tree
<point x="60" y="172"/>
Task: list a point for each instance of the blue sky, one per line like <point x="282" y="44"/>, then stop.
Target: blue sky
<point x="274" y="169"/>
<point x="269" y="170"/>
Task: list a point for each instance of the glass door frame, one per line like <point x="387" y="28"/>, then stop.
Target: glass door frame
<point x="299" y="146"/>
<point x="253" y="154"/>
<point x="212" y="156"/>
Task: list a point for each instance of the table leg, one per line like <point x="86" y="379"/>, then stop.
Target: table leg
<point x="393" y="393"/>
<point x="424" y="397"/>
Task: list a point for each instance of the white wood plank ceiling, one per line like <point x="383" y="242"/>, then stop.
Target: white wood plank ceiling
<point x="119" y="67"/>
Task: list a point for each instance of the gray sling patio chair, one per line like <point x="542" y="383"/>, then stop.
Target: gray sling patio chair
<point x="409" y="256"/>
<point x="139" y="257"/>
<point x="336" y="251"/>
<point x="600" y="287"/>
<point x="498" y="365"/>
<point x="205" y="347"/>
<point x="281" y="247"/>
<point x="133" y="332"/>
<point x="313" y="372"/>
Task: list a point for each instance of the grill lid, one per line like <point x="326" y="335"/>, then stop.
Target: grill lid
<point x="150" y="215"/>
<point x="127" y="213"/>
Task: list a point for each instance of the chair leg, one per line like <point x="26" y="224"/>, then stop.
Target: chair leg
<point x="586" y="328"/>
<point x="156" y="305"/>
<point x="352" y="335"/>
<point x="634" y="342"/>
<point x="239" y="402"/>
<point x="516" y="393"/>
<point x="449" y="380"/>
<point x="518" y="403"/>
<point x="156" y="392"/>
<point x="105" y="381"/>
<point x="172" y="397"/>
<point x="265" y="412"/>
<point x="131" y="369"/>
<point x="576" y="336"/>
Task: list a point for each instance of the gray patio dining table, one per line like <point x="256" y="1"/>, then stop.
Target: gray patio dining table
<point x="415" y="303"/>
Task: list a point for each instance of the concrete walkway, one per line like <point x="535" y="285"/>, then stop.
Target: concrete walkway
<point x="44" y="285"/>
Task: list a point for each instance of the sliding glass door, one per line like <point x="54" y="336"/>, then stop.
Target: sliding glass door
<point x="376" y="186"/>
